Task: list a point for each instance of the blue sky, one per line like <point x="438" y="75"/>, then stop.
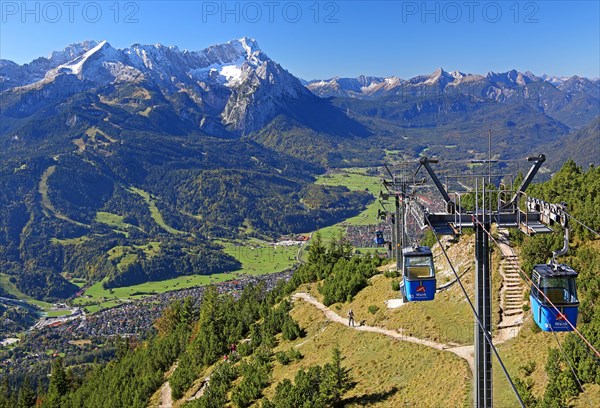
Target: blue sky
<point x="321" y="39"/>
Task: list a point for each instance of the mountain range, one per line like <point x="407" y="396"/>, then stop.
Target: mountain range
<point x="107" y="151"/>
<point x="557" y="97"/>
<point x="232" y="88"/>
<point x="235" y="87"/>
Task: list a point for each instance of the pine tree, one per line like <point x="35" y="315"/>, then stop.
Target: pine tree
<point x="524" y="388"/>
<point x="317" y="249"/>
<point x="58" y="385"/>
<point x="5" y="393"/>
<point x="187" y="311"/>
<point x="27" y="396"/>
<point x="335" y="380"/>
<point x="210" y="340"/>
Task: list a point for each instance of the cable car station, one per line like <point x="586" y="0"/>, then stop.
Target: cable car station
<point x="554" y="303"/>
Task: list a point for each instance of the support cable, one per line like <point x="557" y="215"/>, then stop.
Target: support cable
<point x="534" y="285"/>
<point x="571" y="367"/>
<point x="485" y="332"/>
<point x="586" y="348"/>
<point x="582" y="224"/>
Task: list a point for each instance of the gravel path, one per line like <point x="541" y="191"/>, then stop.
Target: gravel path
<point x="465" y="352"/>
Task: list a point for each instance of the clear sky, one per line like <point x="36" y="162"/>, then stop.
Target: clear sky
<point x="322" y="39"/>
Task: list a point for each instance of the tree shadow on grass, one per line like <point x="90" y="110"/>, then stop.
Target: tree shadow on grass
<point x="370" y="398"/>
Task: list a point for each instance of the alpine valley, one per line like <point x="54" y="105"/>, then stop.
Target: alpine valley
<point x="105" y="152"/>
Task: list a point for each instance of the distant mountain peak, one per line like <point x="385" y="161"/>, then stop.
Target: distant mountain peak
<point x="236" y="86"/>
<point x="512" y="77"/>
<point x="76" y="65"/>
<point x="102" y="63"/>
<point x="73" y="51"/>
<point x="438" y="77"/>
<point x="249" y="44"/>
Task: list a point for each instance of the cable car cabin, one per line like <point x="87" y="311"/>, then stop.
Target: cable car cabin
<point x="557" y="282"/>
<point x="419" y="274"/>
<point x="379" y="238"/>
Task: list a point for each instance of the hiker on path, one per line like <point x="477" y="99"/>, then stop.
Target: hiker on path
<point x="351" y="318"/>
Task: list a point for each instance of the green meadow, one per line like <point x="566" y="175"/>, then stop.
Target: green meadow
<point x="257" y="258"/>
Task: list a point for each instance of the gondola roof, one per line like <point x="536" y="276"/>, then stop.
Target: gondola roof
<point x="555" y="271"/>
<point x="417" y="251"/>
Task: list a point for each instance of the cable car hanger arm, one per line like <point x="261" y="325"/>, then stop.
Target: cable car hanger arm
<point x="451" y="205"/>
<point x="549" y="214"/>
<point x="539" y="160"/>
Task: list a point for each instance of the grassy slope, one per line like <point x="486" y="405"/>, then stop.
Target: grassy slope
<point x="590" y="398"/>
<point x="355" y="179"/>
<point x="387" y="372"/>
<point x="259" y="258"/>
<point x="446" y="319"/>
<point x="154" y="211"/>
<point x="113" y="220"/>
<point x="11" y="289"/>
<point x="43" y="189"/>
<point x="69" y="241"/>
<point x="126" y="255"/>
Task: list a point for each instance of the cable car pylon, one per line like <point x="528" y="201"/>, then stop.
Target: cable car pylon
<point x="535" y="219"/>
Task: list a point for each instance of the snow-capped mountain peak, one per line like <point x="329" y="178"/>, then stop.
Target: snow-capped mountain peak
<point x="439" y="77"/>
<point x="71" y="52"/>
<point x="101" y="64"/>
<point x="75" y="66"/>
<point x="234" y="83"/>
<point x="250" y="45"/>
<point x="554" y="80"/>
<point x="457" y="75"/>
<point x="226" y="62"/>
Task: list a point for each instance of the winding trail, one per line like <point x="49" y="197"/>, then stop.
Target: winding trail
<point x="504" y="333"/>
<point x="47" y="204"/>
<point x="464" y="352"/>
<point x="166" y="399"/>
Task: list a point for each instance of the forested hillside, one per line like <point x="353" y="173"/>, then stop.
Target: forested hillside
<point x="149" y="208"/>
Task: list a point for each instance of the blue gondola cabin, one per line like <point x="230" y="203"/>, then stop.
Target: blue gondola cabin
<point x="419" y="274"/>
<point x="556" y="283"/>
<point x="379" y="240"/>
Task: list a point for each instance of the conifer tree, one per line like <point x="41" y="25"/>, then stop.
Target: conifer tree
<point x="58" y="385"/>
<point x="27" y="396"/>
